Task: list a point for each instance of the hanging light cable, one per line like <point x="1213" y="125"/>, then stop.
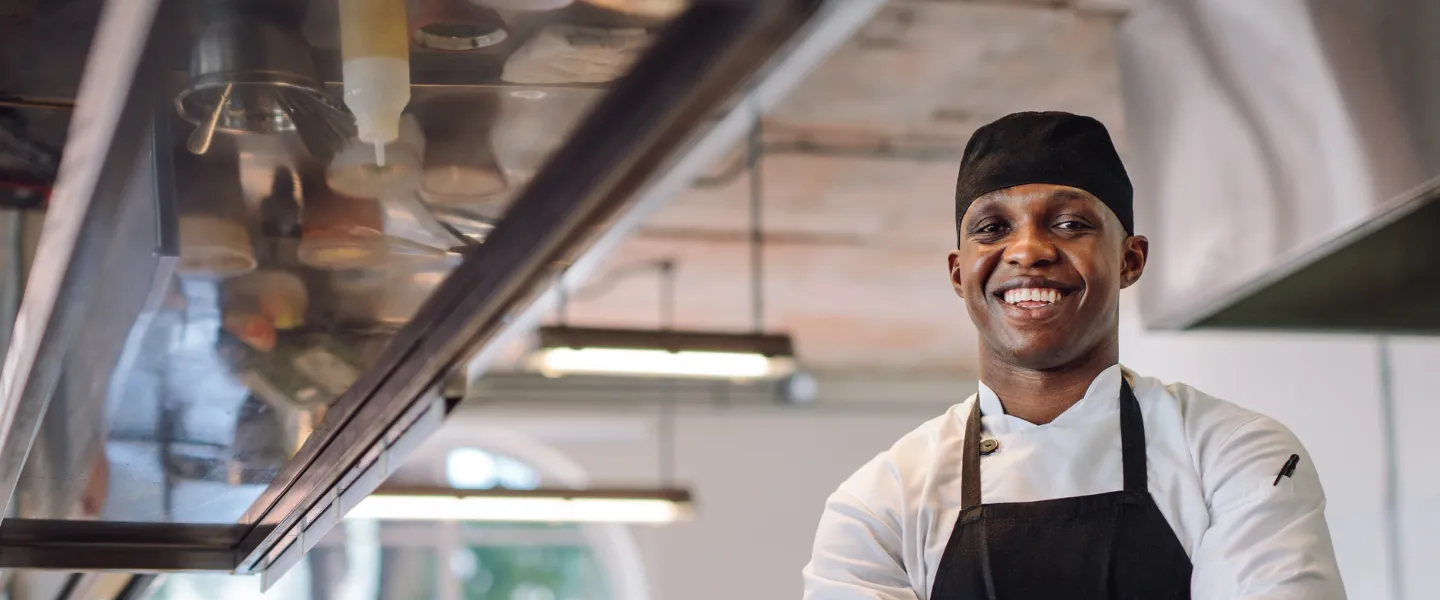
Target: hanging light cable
<point x="753" y="150"/>
<point x="667" y="352"/>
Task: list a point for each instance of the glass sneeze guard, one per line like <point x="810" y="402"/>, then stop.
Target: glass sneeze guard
<point x="254" y="315"/>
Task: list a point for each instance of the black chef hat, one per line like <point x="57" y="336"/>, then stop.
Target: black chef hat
<point x="1045" y="147"/>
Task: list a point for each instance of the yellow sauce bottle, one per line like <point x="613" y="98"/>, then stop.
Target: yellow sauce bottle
<point x="375" y="48"/>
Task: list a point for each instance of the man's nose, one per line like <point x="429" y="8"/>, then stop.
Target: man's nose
<point x="1030" y="247"/>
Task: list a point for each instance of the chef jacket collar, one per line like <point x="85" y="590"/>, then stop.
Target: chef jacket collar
<point x="1101" y="398"/>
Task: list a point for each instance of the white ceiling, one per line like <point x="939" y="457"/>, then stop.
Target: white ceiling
<point x="855" y="253"/>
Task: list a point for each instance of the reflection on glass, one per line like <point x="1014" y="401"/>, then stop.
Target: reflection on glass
<point x="533" y="573"/>
<point x="376" y="69"/>
<point x="424" y="561"/>
<point x="428" y="560"/>
<point x="476" y="469"/>
<point x="206" y="361"/>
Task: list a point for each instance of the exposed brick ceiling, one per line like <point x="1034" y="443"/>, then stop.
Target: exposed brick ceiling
<point x="855" y="253"/>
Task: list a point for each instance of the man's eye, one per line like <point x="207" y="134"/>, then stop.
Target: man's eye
<point x="990" y="228"/>
<point x="1072" y="225"/>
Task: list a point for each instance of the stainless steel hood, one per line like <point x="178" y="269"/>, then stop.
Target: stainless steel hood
<point x="134" y="430"/>
<point x="1286" y="156"/>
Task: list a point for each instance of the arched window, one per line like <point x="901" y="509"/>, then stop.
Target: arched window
<point x="469" y="468"/>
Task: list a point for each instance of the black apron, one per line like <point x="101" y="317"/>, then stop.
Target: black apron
<point x="1104" y="546"/>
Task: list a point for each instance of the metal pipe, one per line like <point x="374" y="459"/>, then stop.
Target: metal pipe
<point x="1394" y="568"/>
<point x="37" y="102"/>
<point x="757" y="236"/>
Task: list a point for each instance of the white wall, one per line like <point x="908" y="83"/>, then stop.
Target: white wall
<point x="761" y="474"/>
<point x="1327" y="390"/>
<point x="760" y="477"/>
<point x="1416" y="364"/>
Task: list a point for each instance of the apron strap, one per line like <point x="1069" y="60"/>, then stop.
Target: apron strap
<point x="1132" y="440"/>
<point x="970" y="460"/>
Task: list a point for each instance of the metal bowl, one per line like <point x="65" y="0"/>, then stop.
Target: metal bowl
<point x="268" y="68"/>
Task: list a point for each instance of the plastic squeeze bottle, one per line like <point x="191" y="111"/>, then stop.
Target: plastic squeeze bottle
<point x="375" y="48"/>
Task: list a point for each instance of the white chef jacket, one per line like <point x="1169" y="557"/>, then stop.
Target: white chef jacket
<point x="1212" y="470"/>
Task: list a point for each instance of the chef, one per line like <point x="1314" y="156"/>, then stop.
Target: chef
<point x="1068" y="475"/>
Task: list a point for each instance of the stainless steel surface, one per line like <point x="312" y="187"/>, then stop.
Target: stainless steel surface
<point x="1285" y="156"/>
<point x="106" y="139"/>
<point x="245" y="66"/>
<point x="135" y="547"/>
<point x="66" y="475"/>
<point x="250" y="398"/>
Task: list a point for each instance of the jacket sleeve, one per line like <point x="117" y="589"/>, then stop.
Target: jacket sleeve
<point x="857" y="555"/>
<point x="1267" y="536"/>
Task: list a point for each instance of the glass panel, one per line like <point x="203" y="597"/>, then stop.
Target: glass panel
<point x="477" y="469"/>
<point x="292" y="219"/>
<point x="403" y="561"/>
<point x="534" y="573"/>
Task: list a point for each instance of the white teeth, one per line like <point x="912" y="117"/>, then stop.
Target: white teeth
<point x="1046" y="295"/>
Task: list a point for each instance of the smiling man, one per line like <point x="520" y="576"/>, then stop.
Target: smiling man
<point x="1067" y="475"/>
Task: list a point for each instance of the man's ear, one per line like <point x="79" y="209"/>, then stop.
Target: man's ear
<point x="953" y="262"/>
<point x="1135" y="252"/>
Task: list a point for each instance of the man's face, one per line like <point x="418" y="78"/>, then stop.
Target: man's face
<point x="1040" y="268"/>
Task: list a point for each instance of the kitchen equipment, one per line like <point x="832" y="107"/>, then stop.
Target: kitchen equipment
<point x="456" y="25"/>
<point x="460" y="164"/>
<point x="1289" y="155"/>
<point x="342" y="232"/>
<point x="214" y="235"/>
<point x="212" y="246"/>
<point x="322" y="126"/>
<point x="251" y="74"/>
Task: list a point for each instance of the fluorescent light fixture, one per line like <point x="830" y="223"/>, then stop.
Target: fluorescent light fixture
<point x="536" y="506"/>
<point x="689" y="354"/>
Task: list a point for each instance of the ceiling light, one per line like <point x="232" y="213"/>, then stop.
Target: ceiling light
<point x="573" y="350"/>
<point x="536" y="506"/>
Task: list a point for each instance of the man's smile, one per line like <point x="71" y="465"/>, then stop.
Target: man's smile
<point x="1033" y="298"/>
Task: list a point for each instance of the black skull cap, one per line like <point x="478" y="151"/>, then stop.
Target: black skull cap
<point x="1056" y="148"/>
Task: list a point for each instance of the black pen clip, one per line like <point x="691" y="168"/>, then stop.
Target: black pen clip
<point x="1287" y="470"/>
